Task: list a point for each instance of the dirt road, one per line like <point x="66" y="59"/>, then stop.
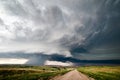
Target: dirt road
<point x="73" y="75"/>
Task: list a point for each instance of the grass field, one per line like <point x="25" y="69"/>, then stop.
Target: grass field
<point x="20" y="72"/>
<point x="102" y="72"/>
<point x="30" y="72"/>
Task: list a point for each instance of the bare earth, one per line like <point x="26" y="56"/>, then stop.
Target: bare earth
<point x="73" y="75"/>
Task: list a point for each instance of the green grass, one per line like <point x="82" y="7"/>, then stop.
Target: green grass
<point x="20" y="72"/>
<point x="102" y="72"/>
<point x="30" y="72"/>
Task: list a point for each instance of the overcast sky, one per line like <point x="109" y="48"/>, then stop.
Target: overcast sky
<point x="64" y="32"/>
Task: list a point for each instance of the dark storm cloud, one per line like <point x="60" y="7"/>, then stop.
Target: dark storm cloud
<point x="107" y="24"/>
<point x="79" y="61"/>
<point x="60" y="30"/>
<point x="105" y="30"/>
<point x="40" y="59"/>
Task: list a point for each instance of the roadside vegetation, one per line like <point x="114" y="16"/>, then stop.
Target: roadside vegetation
<point x="20" y="72"/>
<point x="17" y="72"/>
<point x="101" y="72"/>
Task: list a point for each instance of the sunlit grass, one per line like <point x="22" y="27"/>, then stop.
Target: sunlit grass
<point x="46" y="72"/>
<point x="102" y="72"/>
<point x="30" y="72"/>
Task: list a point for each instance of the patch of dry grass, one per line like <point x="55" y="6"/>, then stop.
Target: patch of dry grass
<point x="102" y="72"/>
<point x="103" y="69"/>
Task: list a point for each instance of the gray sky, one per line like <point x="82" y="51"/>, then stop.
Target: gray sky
<point x="80" y="29"/>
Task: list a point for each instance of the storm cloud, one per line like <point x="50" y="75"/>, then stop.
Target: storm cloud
<point x="39" y="30"/>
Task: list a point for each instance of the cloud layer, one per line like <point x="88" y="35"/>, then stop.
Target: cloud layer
<point x="74" y="28"/>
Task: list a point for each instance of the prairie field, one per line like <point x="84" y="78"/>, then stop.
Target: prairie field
<point x="20" y="72"/>
<point x="30" y="72"/>
<point x="101" y="72"/>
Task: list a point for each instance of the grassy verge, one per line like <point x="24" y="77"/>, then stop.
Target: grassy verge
<point x="30" y="73"/>
<point x="102" y="72"/>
